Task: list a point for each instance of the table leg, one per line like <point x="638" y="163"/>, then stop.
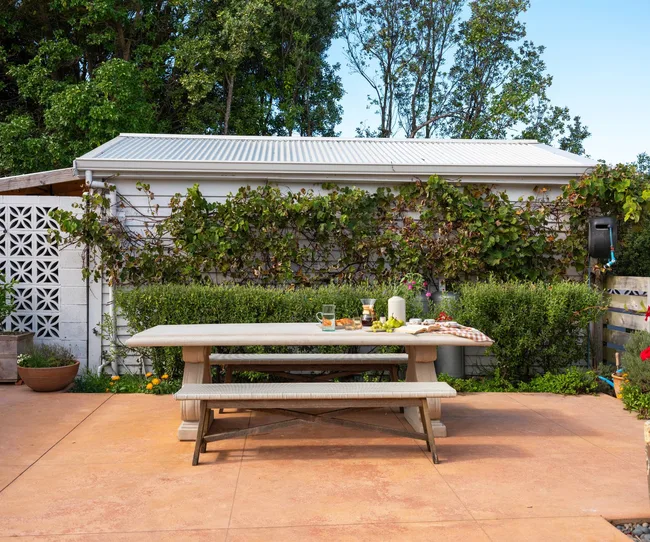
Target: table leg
<point x="421" y="369"/>
<point x="196" y="371"/>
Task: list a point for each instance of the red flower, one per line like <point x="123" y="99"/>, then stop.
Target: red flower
<point x="645" y="355"/>
<point x="647" y="314"/>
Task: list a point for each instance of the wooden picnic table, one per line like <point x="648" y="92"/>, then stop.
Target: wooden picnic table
<point x="197" y="341"/>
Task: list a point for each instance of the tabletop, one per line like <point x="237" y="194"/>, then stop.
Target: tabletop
<point x="284" y="334"/>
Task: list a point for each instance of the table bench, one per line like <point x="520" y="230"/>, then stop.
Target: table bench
<point x="332" y="365"/>
<point x="282" y="398"/>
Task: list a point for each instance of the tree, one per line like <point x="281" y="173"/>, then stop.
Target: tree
<point x="445" y="73"/>
<point x="75" y="73"/>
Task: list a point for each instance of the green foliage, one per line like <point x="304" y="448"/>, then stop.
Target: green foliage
<point x="637" y="370"/>
<point x="74" y="73"/>
<point x="621" y="192"/>
<point x="535" y="326"/>
<point x="455" y="69"/>
<point x="636" y="400"/>
<point x="47" y="355"/>
<point x="268" y="236"/>
<point x="633" y="254"/>
<point x="195" y="304"/>
<point x="7" y="294"/>
<point x="90" y="382"/>
<point x="573" y="381"/>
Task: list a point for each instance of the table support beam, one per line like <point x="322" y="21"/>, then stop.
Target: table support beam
<point x="196" y="371"/>
<point x="421" y="369"/>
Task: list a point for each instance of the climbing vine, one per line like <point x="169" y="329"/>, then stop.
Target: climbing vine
<point x="267" y="236"/>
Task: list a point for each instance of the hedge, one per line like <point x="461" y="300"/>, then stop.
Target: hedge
<point x="154" y="305"/>
<point x="536" y="327"/>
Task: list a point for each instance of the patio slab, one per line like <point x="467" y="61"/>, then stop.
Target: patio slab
<point x="524" y="467"/>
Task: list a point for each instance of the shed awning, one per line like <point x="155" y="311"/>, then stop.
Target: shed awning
<point x="331" y="159"/>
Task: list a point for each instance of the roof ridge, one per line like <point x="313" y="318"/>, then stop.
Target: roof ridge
<point x="337" y="139"/>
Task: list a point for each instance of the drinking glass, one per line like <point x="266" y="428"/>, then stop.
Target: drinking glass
<point x="327" y="318"/>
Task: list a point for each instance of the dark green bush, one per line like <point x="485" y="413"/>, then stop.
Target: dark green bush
<point x="633" y="255"/>
<point x="197" y="304"/>
<point x="536" y="327"/>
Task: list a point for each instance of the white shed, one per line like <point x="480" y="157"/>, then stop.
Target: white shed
<point x="221" y="165"/>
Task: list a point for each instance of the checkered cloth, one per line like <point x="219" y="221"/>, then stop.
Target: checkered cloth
<point x="466" y="333"/>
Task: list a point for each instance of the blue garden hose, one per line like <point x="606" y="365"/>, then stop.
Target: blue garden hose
<point x="612" y="258"/>
<point x="607" y="381"/>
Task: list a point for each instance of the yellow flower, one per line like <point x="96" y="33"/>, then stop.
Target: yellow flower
<point x="155" y="381"/>
<point x="165" y="376"/>
<point x="107" y="389"/>
<point x="148" y="375"/>
<point x="115" y="377"/>
<point x="150" y="386"/>
<point x="110" y="383"/>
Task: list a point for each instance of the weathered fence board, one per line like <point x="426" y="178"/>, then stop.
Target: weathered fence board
<point x="629" y="300"/>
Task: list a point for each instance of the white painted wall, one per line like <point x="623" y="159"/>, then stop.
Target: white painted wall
<point x="52" y="294"/>
<point x="218" y="190"/>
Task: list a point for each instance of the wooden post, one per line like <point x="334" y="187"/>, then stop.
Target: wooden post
<point x="646" y="434"/>
<point x="596" y="328"/>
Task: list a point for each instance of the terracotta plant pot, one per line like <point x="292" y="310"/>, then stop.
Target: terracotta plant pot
<point x="11" y="345"/>
<point x="48" y="378"/>
<point x="618" y="384"/>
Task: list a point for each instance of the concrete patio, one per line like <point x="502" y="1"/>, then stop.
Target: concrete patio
<point x="521" y="467"/>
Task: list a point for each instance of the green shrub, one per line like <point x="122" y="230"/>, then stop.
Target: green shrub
<point x="636" y="400"/>
<point x="633" y="255"/>
<point x="198" y="304"/>
<point x="638" y="371"/>
<point x="636" y="392"/>
<point x="89" y="382"/>
<point x="536" y="327"/>
<point x="46" y="355"/>
<point x="573" y="381"/>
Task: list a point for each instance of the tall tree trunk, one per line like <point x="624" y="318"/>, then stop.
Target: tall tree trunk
<point x="230" y="82"/>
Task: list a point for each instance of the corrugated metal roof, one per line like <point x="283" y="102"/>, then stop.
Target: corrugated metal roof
<point x="332" y="156"/>
<point x="331" y="151"/>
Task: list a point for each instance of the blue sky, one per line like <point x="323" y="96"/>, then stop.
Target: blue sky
<point x="598" y="53"/>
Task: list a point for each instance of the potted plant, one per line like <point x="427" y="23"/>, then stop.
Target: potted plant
<point x="12" y="343"/>
<point x="47" y="367"/>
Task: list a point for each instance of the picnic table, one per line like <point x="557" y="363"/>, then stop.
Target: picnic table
<point x="197" y="341"/>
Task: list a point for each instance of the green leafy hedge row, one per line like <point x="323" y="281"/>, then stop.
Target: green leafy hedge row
<point x="150" y="306"/>
<point x="535" y="326"/>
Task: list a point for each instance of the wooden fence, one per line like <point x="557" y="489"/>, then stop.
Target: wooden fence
<point x="629" y="300"/>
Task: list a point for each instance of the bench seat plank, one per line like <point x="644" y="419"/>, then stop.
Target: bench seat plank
<point x="306" y="359"/>
<point x="315" y="391"/>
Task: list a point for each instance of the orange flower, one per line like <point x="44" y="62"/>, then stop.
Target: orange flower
<point x="150" y="386"/>
<point x="165" y="376"/>
<point x="155" y="381"/>
<point x="114" y="378"/>
<point x="148" y="375"/>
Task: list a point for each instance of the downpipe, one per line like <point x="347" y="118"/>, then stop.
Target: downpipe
<point x="112" y="196"/>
